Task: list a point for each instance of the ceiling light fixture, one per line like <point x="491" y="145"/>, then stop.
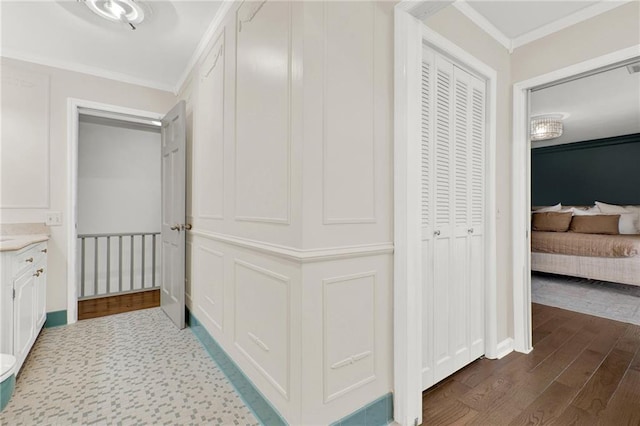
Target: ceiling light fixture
<point x="546" y="127"/>
<point x="129" y="12"/>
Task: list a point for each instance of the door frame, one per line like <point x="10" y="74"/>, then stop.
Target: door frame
<point x="73" y="121"/>
<point x="521" y="189"/>
<point x="410" y="34"/>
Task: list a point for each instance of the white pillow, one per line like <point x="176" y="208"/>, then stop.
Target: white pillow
<point x="555" y="208"/>
<point x="635" y="209"/>
<point x="591" y="211"/>
<point x="627" y="224"/>
<point x="611" y="208"/>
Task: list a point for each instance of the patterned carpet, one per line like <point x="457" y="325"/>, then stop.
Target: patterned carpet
<point x="618" y="302"/>
<point x="132" y="368"/>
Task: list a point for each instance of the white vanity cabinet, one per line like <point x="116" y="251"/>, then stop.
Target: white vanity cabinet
<point x="23" y="299"/>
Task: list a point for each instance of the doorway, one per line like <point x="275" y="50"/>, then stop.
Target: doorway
<point x="118" y="218"/>
<point x="521" y="168"/>
<point x="93" y="114"/>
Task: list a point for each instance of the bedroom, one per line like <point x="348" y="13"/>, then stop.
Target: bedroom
<point x="585" y="193"/>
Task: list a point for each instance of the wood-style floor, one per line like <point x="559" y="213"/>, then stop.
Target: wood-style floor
<point x="103" y="306"/>
<point x="583" y="370"/>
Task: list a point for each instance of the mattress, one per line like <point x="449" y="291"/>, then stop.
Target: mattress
<point x="591" y="245"/>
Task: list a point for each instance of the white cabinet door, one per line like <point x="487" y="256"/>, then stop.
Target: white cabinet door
<point x="40" y="283"/>
<point x="24" y="316"/>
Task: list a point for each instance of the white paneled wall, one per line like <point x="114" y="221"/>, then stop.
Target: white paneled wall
<point x="25" y="139"/>
<point x="290" y="253"/>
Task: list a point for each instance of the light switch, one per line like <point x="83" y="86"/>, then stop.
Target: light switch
<point x="54" y="219"/>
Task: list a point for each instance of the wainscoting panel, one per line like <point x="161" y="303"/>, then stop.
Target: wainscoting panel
<point x="262" y="306"/>
<point x="211" y="278"/>
<point x="347" y="342"/>
<point x="189" y="266"/>
<point x="349" y="332"/>
<point x="210" y="120"/>
<point x="263" y="86"/>
<point x="349" y="104"/>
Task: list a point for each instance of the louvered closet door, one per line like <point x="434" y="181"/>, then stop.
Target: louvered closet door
<point x="427" y="213"/>
<point x="453" y="136"/>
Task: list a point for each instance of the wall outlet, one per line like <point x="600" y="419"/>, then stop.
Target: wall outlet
<point x="54" y="219"/>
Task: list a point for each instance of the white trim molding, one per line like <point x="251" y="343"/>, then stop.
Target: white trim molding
<point x="512" y="43"/>
<point x="73" y="106"/>
<point x="88" y="70"/>
<point x="295" y="254"/>
<point x="521" y="189"/>
<point x="407" y="273"/>
<point x="207" y="38"/>
<point x="484" y="24"/>
<point x="504" y="348"/>
<point x="567" y="21"/>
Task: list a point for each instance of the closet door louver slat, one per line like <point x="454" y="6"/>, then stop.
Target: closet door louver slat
<point x="426" y="146"/>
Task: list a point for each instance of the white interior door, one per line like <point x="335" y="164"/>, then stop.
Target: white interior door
<point x="173" y="214"/>
<point x="453" y="205"/>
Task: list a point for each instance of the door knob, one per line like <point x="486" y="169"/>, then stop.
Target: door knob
<point x="187" y="226"/>
<point x="436" y="233"/>
<point x="175" y="228"/>
<point x="470" y="231"/>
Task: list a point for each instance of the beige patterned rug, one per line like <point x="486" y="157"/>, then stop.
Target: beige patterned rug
<point x="618" y="302"/>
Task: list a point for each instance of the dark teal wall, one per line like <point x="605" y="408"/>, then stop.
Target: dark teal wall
<point x="580" y="173"/>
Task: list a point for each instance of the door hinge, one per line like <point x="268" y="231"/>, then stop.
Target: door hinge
<point x="14" y="293"/>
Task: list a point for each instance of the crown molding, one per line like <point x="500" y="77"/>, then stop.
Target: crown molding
<point x="567" y="21"/>
<point x="85" y="69"/>
<point x="512" y="43"/>
<point x="484" y="24"/>
<point x="204" y="42"/>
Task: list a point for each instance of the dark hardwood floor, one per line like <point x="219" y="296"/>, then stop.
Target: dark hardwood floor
<point x="94" y="308"/>
<point x="583" y="370"/>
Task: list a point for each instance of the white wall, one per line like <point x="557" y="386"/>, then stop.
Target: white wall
<point x="118" y="177"/>
<point x="62" y="86"/>
<point x="292" y="209"/>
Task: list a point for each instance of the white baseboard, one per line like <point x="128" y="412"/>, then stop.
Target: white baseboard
<point x="504" y="348"/>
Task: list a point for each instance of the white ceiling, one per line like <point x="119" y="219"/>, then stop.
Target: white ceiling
<point x="68" y="35"/>
<point x="598" y="106"/>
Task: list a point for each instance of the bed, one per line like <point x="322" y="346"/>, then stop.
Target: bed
<point x="614" y="258"/>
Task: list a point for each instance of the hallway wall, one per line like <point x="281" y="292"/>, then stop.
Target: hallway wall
<point x="63" y="85"/>
<point x="291" y="201"/>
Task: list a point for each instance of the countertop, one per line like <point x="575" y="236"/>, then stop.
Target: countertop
<point x="15" y="236"/>
<point x="17" y="242"/>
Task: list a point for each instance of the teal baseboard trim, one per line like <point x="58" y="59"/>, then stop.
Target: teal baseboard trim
<point x="257" y="403"/>
<point x="376" y="413"/>
<point x="6" y="390"/>
<point x="56" y="319"/>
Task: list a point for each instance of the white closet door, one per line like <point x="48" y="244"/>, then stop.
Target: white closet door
<point x="459" y="284"/>
<point x="443" y="265"/>
<point x="453" y="207"/>
<point x="477" y="259"/>
<point x="427" y="214"/>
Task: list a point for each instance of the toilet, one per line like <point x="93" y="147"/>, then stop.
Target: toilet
<point x="7" y="378"/>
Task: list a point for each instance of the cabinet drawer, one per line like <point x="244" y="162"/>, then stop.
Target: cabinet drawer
<point x="29" y="256"/>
